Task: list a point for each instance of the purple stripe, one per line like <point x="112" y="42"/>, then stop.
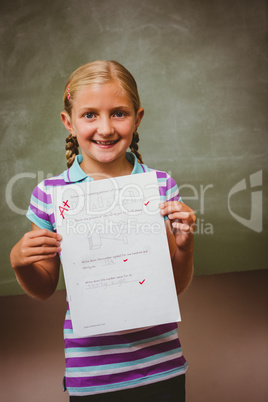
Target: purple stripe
<point x="51" y="218"/>
<point x="143" y="168"/>
<point x="68" y="324"/>
<point x="127" y="376"/>
<point x="119" y="339"/>
<point x="160" y="175"/>
<point x="59" y="182"/>
<point x="176" y="198"/>
<point x="41" y="196"/>
<point x="39" y="214"/>
<point x="68" y="175"/>
<point x="162" y="190"/>
<point x="142" y="353"/>
<point x="170" y="183"/>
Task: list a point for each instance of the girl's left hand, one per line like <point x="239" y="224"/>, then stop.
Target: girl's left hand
<point x="182" y="222"/>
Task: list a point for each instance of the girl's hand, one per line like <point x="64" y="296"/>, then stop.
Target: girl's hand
<point x="34" y="246"/>
<point x="182" y="223"/>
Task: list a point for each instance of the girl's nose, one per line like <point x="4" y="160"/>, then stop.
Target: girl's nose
<point x="105" y="127"/>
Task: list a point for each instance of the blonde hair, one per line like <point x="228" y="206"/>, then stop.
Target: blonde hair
<point x="95" y="73"/>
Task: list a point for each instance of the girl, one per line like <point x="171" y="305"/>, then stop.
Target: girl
<point x="102" y="113"/>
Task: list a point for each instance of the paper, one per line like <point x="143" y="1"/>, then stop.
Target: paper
<point x="115" y="254"/>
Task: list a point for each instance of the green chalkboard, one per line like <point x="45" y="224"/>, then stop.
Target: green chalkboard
<point x="201" y="68"/>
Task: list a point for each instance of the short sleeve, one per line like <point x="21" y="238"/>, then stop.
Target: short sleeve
<point x="172" y="191"/>
<point x="40" y="210"/>
<point x="168" y="188"/>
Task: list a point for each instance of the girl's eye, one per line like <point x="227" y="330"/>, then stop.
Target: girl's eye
<point x="89" y="115"/>
<point x="119" y="114"/>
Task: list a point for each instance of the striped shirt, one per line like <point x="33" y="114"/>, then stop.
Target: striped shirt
<point x="120" y="360"/>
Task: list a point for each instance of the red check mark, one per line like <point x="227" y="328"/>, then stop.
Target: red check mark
<point x="142" y="282"/>
<point x="125" y="260"/>
<point x="146" y="203"/>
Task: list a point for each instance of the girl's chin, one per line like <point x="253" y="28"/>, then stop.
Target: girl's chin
<point x="107" y="159"/>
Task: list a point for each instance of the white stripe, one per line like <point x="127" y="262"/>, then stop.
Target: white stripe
<point x="42" y="206"/>
<point x="38" y="205"/>
<point x="123" y="369"/>
<point x="121" y="350"/>
<point x="173" y="194"/>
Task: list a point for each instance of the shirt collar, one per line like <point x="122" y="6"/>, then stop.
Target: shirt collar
<point x="137" y="167"/>
<point x="75" y="173"/>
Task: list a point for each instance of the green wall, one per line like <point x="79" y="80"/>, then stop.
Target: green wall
<point x="201" y="68"/>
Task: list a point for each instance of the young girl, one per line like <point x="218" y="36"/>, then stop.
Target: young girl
<point x="102" y="114"/>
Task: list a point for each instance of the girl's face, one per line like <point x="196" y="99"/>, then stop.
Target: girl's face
<point x="103" y="120"/>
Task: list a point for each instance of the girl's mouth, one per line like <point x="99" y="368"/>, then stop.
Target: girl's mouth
<point x="105" y="142"/>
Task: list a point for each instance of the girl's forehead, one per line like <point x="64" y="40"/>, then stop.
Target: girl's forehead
<point x="111" y="88"/>
<point x="107" y="95"/>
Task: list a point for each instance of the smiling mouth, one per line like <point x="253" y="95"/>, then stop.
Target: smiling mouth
<point x="105" y="142"/>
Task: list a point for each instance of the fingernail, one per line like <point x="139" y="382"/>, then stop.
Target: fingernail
<point x="161" y="205"/>
<point x="59" y="237"/>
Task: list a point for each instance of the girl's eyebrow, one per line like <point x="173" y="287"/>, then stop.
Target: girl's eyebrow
<point x="87" y="108"/>
<point x="125" y="109"/>
<point x="120" y="107"/>
<point x="94" y="110"/>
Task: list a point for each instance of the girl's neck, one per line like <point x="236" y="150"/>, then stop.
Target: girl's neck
<point x="99" y="171"/>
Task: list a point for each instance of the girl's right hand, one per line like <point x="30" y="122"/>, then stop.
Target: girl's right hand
<point x="35" y="246"/>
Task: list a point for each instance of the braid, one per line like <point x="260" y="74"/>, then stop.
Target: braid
<point x="71" y="149"/>
<point x="134" y="146"/>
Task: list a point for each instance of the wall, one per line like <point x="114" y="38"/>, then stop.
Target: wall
<point x="223" y="332"/>
<point x="201" y="68"/>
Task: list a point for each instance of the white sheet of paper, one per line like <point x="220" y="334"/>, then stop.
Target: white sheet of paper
<point x="115" y="254"/>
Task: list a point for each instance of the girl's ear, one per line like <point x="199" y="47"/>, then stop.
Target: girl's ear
<point x="65" y="118"/>
<point x="140" y="114"/>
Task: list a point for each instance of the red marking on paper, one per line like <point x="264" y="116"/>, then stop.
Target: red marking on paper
<point x="65" y="203"/>
<point x="125" y="260"/>
<point x="61" y="211"/>
<point x="142" y="282"/>
<point x="146" y="203"/>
